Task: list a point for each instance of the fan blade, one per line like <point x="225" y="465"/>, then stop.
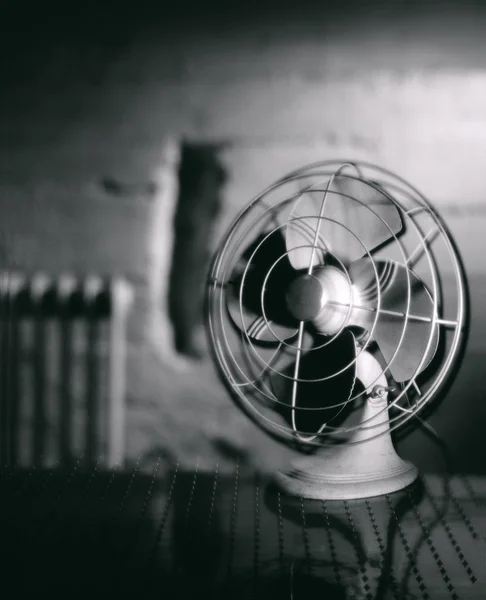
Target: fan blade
<point x="300" y="234"/>
<point x="393" y="283"/>
<point x="250" y="278"/>
<point x="254" y="325"/>
<point x="318" y="395"/>
<point x="358" y="218"/>
<point x="266" y="249"/>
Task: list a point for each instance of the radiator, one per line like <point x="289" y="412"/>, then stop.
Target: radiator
<point x="62" y="370"/>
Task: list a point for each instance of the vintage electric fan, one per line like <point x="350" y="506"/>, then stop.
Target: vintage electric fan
<point x="336" y="309"/>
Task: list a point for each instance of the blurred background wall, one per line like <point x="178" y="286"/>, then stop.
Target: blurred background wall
<point x="104" y="110"/>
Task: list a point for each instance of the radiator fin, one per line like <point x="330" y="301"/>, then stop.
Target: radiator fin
<point x="62" y="369"/>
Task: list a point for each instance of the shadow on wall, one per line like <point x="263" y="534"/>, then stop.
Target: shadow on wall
<point x="201" y="180"/>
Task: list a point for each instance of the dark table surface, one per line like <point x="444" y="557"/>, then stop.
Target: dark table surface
<point x="209" y="534"/>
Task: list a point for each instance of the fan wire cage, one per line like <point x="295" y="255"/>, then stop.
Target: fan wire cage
<point x="253" y="351"/>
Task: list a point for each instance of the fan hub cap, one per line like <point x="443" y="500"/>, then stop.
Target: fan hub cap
<point x="335" y="311"/>
<point x="305" y="297"/>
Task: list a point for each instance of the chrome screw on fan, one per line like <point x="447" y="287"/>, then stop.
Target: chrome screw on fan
<point x="327" y="316"/>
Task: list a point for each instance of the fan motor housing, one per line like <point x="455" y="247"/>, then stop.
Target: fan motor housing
<point x="337" y="302"/>
<point x="305" y="297"/>
<point x="324" y="297"/>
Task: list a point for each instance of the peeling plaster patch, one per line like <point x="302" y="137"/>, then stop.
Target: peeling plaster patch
<point x="201" y="177"/>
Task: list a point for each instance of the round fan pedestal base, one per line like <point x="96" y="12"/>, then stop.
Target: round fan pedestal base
<point x="317" y="481"/>
<point x="364" y="467"/>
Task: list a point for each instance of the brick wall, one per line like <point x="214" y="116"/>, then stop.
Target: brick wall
<point x="89" y="154"/>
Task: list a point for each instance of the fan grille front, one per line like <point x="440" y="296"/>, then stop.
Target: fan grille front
<point x="357" y="253"/>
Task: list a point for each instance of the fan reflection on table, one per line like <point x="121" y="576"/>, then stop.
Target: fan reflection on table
<point x="356" y="560"/>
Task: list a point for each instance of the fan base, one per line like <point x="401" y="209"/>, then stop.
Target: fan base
<point x="308" y="481"/>
<point x="364" y="467"/>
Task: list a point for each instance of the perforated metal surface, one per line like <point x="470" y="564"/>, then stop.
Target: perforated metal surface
<point x="215" y="535"/>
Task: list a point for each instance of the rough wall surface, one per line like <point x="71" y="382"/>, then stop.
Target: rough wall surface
<point x="87" y="169"/>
